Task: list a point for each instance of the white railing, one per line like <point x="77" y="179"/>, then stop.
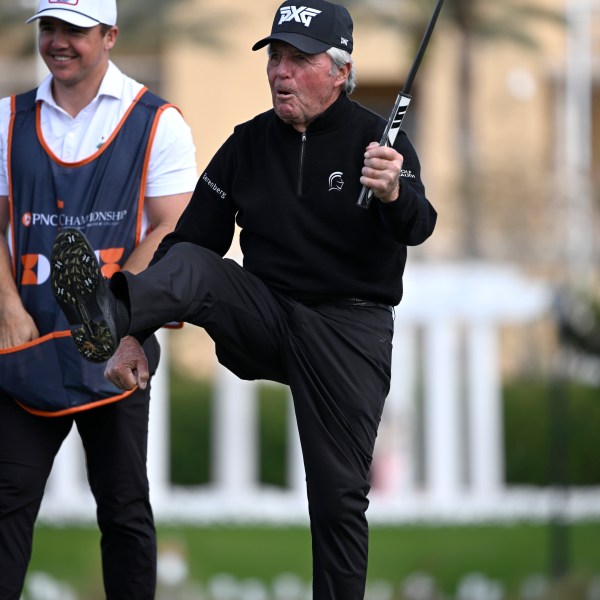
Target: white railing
<point x="439" y="453"/>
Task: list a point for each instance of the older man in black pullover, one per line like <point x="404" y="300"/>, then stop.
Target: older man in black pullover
<point x="312" y="305"/>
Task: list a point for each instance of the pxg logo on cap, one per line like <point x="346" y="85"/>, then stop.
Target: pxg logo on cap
<point x="302" y="15"/>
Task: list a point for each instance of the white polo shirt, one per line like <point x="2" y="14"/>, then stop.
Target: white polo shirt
<point x="172" y="165"/>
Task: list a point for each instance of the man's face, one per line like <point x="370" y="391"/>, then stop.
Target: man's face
<point x="73" y="54"/>
<point x="302" y="85"/>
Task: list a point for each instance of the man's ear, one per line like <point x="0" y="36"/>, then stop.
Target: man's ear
<point x="343" y="73"/>
<point x="110" y="38"/>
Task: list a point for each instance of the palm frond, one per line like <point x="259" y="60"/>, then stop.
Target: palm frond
<point x="508" y="21"/>
<point x="144" y="25"/>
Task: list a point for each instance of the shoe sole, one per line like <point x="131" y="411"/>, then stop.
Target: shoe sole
<point x="76" y="283"/>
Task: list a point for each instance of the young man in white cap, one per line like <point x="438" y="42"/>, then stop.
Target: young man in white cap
<point x="93" y="149"/>
<point x="312" y="305"/>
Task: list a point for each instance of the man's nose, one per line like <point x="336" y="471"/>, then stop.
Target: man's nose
<point x="284" y="67"/>
<point x="59" y="37"/>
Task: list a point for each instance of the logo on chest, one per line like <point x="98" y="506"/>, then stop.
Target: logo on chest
<point x="336" y="181"/>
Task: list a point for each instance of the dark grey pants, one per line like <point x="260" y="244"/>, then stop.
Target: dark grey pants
<point x="336" y="358"/>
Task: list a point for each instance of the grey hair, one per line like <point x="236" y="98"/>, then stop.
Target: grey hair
<point x="339" y="58"/>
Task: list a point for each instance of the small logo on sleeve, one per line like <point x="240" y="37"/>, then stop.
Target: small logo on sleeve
<point x="213" y="186"/>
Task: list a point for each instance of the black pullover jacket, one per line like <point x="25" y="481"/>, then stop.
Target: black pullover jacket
<point x="294" y="197"/>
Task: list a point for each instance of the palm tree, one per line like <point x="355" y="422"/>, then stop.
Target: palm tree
<point x="144" y="25"/>
<point x="145" y="28"/>
<point x="477" y="22"/>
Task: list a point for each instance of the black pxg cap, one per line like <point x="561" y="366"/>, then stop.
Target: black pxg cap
<point x="312" y="26"/>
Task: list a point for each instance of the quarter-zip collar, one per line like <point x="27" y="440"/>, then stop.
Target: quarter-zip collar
<point x="333" y="118"/>
<point x="301" y="166"/>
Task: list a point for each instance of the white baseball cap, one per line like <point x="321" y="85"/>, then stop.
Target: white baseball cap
<point x="82" y="13"/>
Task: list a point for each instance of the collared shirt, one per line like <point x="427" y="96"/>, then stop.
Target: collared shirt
<point x="172" y="166"/>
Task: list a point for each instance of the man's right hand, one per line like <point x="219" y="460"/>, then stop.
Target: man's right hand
<point x="16" y="326"/>
<point x="128" y="366"/>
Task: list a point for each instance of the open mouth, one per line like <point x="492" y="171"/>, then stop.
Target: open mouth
<point x="284" y="94"/>
<point x="61" y="58"/>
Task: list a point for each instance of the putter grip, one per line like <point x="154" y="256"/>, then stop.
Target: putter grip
<point x="364" y="200"/>
<point x="389" y="137"/>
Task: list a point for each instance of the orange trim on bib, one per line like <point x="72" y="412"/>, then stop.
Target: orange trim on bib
<point x="36" y="342"/>
<point x="38" y="126"/>
<point x="11" y="208"/>
<point x="142" y="196"/>
<point x="76" y="409"/>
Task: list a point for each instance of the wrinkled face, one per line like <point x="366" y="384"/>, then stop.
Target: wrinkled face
<point x="73" y="54"/>
<point x="302" y="85"/>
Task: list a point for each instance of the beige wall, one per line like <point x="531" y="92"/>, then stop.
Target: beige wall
<point x="519" y="195"/>
<point x="512" y="108"/>
<point x="218" y="88"/>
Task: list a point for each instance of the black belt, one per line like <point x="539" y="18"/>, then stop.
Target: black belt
<point x="346" y="301"/>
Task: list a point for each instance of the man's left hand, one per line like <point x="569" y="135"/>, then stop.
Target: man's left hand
<point x="381" y="172"/>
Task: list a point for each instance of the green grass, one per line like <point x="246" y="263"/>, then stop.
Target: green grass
<point x="507" y="554"/>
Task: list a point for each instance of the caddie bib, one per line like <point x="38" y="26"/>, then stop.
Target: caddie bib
<point x="103" y="196"/>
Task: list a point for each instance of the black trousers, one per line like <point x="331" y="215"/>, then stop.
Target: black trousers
<point x="336" y="358"/>
<point x="115" y="442"/>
